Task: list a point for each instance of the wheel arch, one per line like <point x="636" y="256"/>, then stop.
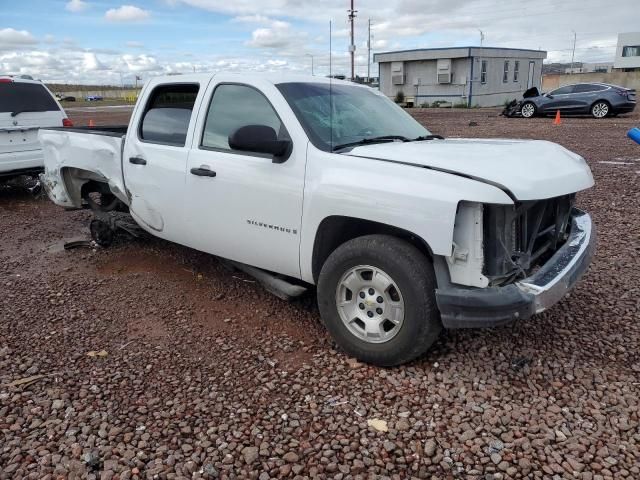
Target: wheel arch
<point x="78" y="182"/>
<point x="335" y="230"/>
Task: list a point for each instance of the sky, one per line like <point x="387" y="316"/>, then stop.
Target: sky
<point x="111" y="42"/>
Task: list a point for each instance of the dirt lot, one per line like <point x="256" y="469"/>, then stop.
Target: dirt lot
<point x="204" y="375"/>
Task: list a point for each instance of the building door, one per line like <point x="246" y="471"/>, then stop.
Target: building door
<point x="530" y="77"/>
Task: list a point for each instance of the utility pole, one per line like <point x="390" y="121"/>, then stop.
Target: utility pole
<point x="309" y="55"/>
<point x="369" y="54"/>
<point x="481" y="37"/>
<point x="352" y="46"/>
<point x="573" y="53"/>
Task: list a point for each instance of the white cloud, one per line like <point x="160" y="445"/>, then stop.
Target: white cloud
<point x="11" y="39"/>
<point x="126" y="13"/>
<point x="76" y="6"/>
<point x="251" y="19"/>
<point x="134" y="44"/>
<point x="91" y="62"/>
<point x="141" y="63"/>
<point x="276" y="34"/>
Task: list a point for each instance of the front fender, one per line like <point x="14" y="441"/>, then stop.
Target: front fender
<point x="413" y="198"/>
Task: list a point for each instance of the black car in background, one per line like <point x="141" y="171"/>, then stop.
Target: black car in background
<point x="598" y="99"/>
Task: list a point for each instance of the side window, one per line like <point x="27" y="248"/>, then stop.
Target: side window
<point x="562" y="90"/>
<point x="505" y="74"/>
<point x="585" y="87"/>
<point x="168" y="113"/>
<point x="631" y="51"/>
<point x="483" y="72"/>
<point x="516" y="70"/>
<point x="235" y="106"/>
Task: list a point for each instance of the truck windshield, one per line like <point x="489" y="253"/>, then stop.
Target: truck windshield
<point x="345" y="114"/>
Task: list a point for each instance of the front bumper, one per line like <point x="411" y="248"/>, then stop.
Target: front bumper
<point x="493" y="306"/>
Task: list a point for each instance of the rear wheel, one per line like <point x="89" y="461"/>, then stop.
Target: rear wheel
<point x="600" y="109"/>
<point x="528" y="109"/>
<point x="376" y="295"/>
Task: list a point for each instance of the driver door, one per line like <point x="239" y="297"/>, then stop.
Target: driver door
<point x="241" y="205"/>
<point x="559" y="99"/>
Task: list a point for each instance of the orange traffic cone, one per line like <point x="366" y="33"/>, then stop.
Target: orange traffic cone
<point x="557" y="121"/>
<point x="91" y="124"/>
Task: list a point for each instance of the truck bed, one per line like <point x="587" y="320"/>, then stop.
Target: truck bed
<point x="75" y="156"/>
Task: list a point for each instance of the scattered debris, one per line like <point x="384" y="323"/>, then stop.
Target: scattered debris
<point x="25" y="381"/>
<point x="334" y="402"/>
<point x="377" y="424"/>
<point x="353" y="363"/>
<point x="93" y="353"/>
<point x="520" y="362"/>
<point x="93" y="460"/>
<point x="79" y="244"/>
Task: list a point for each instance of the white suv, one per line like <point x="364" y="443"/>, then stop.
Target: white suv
<point x="25" y="106"/>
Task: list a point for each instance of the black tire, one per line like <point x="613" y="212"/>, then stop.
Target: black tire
<point x="101" y="233"/>
<point x="414" y="275"/>
<point x="528" y="105"/>
<point x="599" y="105"/>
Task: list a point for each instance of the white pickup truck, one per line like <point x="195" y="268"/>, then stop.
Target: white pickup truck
<point x="327" y="183"/>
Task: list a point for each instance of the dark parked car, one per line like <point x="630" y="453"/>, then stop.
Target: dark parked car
<point x="65" y="98"/>
<point x="598" y="99"/>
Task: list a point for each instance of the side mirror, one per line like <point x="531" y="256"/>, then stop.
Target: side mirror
<point x="548" y="95"/>
<point x="260" y="139"/>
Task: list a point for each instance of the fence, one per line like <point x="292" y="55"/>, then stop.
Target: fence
<point x="624" y="79"/>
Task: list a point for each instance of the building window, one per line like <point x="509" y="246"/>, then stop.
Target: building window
<point x="631" y="51"/>
<point x="483" y="72"/>
<point x="505" y="74"/>
<point x="516" y="70"/>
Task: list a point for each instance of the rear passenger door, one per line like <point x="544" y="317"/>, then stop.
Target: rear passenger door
<point x="251" y="210"/>
<point x="155" y="156"/>
<point x="584" y="95"/>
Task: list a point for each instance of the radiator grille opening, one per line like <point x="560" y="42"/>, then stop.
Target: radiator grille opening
<point x="520" y="238"/>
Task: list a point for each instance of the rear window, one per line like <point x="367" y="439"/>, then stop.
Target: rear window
<point x="25" y="97"/>
<point x="168" y="113"/>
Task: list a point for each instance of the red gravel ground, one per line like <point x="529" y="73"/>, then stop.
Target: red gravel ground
<point x="204" y="375"/>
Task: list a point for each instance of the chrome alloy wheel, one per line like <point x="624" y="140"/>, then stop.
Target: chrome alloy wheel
<point x="528" y="110"/>
<point x="370" y="304"/>
<point x="600" y="110"/>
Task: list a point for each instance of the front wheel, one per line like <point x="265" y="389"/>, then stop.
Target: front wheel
<point x="528" y="110"/>
<point x="376" y="295"/>
<point x="600" y="109"/>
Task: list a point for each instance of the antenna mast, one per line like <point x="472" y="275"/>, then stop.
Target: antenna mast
<point x="330" y="94"/>
<point x="352" y="46"/>
<point x="369" y="54"/>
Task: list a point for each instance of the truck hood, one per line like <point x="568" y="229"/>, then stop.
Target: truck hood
<point x="526" y="169"/>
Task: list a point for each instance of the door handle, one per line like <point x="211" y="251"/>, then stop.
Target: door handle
<point x="203" y="172"/>
<point x="137" y="161"/>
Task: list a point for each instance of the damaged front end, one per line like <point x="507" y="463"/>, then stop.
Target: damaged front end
<point x="519" y="238"/>
<point x="512" y="109"/>
<point x="533" y="254"/>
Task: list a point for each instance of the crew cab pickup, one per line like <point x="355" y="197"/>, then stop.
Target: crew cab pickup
<point x="329" y="183"/>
